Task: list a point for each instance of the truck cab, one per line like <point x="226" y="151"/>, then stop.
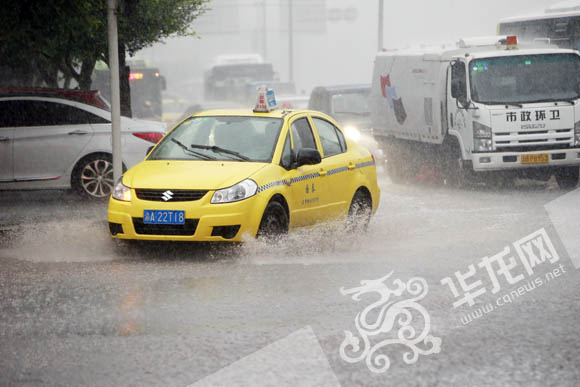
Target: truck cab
<point x="501" y="107"/>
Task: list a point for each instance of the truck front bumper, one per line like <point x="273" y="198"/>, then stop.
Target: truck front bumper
<point x="498" y="161"/>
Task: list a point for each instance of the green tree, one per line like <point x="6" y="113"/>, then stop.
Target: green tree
<point x="44" y="42"/>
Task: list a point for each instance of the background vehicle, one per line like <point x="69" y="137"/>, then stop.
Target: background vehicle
<point x="559" y="24"/>
<point x="480" y="106"/>
<point x="283" y="89"/>
<point x="227" y="79"/>
<point x="55" y="142"/>
<point x="174" y="107"/>
<point x="146" y="84"/>
<point x="348" y="104"/>
<point x="293" y="101"/>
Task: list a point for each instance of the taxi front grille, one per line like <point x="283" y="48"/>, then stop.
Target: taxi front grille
<point x="169" y="195"/>
<point x="165" y="229"/>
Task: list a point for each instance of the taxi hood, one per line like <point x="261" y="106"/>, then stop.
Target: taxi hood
<point x="177" y="174"/>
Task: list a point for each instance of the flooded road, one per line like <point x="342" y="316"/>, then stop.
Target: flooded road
<point x="78" y="308"/>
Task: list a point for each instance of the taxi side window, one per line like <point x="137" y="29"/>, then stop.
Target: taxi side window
<point x="341" y="139"/>
<point x="329" y="137"/>
<point x="286" y="160"/>
<point x="302" y="135"/>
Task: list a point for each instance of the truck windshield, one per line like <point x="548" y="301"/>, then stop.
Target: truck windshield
<point x="236" y="138"/>
<point x="525" y="78"/>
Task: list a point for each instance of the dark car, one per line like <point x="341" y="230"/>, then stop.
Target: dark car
<point x="348" y="104"/>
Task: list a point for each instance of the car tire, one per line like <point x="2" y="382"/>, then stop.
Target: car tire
<point x="360" y="212"/>
<point x="567" y="177"/>
<point x="274" y="221"/>
<point x="93" y="177"/>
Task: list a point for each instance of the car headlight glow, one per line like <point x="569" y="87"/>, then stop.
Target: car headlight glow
<point x="577" y="133"/>
<point x="352" y="133"/>
<point x="240" y="191"/>
<point x="122" y="192"/>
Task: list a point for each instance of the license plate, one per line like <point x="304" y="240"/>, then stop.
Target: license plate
<point x="163" y="217"/>
<point x="541" y="158"/>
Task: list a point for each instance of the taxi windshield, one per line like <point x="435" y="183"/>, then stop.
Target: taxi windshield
<point x="525" y="78"/>
<point x="233" y="138"/>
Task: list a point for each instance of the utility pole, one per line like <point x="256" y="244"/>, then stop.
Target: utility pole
<point x="290" y="43"/>
<point x="381" y="18"/>
<point x="115" y="93"/>
<point x="264" y="31"/>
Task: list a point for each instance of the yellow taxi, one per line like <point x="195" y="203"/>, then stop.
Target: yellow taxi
<point x="221" y="175"/>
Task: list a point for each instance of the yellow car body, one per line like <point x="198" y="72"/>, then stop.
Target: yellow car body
<point x="308" y="193"/>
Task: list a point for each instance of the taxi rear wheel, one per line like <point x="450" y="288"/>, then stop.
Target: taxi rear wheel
<point x="360" y="211"/>
<point x="274" y="221"/>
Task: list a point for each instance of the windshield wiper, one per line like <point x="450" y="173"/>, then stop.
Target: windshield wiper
<point x="217" y="149"/>
<point x="570" y="101"/>
<point x="518" y="105"/>
<point x="191" y="151"/>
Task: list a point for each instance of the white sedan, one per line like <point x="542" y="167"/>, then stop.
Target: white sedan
<point x="51" y="142"/>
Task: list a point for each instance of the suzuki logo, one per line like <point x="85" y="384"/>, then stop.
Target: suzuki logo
<point x="167" y="195"/>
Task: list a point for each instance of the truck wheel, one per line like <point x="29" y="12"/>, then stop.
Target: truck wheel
<point x="567" y="177"/>
<point x="274" y="221"/>
<point x="359" y="213"/>
<point x="92" y="177"/>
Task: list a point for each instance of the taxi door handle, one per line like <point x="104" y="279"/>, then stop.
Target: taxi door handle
<point x="351" y="166"/>
<point x="323" y="172"/>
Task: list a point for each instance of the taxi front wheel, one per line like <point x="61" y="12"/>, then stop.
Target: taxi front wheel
<point x="274" y="221"/>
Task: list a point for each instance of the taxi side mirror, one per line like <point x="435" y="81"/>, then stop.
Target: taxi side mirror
<point x="307" y="156"/>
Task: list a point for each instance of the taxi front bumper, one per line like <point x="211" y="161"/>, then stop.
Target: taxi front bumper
<point x="204" y="221"/>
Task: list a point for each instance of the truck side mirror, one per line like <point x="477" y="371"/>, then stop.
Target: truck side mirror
<point x="458" y="84"/>
<point x="458" y="91"/>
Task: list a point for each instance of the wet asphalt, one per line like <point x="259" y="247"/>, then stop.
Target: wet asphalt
<point x="80" y="309"/>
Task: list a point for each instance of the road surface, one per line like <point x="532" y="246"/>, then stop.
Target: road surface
<point x="79" y="309"/>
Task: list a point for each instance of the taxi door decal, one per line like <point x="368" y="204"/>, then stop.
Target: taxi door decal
<point x="289" y="182"/>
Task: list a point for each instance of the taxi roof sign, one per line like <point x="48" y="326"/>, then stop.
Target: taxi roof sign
<point x="266" y="100"/>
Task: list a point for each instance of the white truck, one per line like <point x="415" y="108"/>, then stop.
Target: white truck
<point x="481" y="107"/>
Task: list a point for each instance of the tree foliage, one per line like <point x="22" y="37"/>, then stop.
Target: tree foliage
<point x="40" y="40"/>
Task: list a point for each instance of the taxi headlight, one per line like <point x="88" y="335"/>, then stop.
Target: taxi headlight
<point x="240" y="191"/>
<point x="122" y="192"/>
